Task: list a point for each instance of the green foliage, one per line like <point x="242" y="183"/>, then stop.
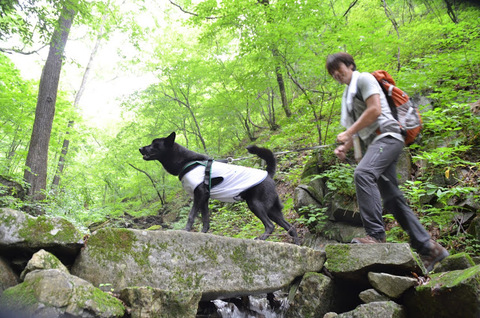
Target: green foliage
<point x="235" y="220"/>
<point x="313" y="217"/>
<point x="395" y="234"/>
<point x="217" y="85"/>
<point x="339" y="179"/>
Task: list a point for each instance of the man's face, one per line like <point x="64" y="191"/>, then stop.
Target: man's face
<point x="343" y="74"/>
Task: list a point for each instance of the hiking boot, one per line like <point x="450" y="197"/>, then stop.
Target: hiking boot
<point x="436" y="254"/>
<point x="367" y="240"/>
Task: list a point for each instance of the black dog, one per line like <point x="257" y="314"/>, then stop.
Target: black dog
<point x="261" y="197"/>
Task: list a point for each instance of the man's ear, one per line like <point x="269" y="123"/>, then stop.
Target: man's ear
<point x="170" y="140"/>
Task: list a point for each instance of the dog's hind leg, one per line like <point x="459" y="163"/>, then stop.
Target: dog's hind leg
<point x="276" y="215"/>
<point x="258" y="208"/>
<point x="200" y="204"/>
<point x="280" y="220"/>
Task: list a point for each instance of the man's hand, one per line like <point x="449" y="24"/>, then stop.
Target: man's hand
<point x="341" y="152"/>
<point x="344" y="137"/>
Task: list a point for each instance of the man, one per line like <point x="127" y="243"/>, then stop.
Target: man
<point x="366" y="115"/>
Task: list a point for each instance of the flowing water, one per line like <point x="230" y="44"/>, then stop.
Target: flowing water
<point x="252" y="307"/>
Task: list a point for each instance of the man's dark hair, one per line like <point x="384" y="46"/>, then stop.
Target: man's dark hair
<point x="334" y="60"/>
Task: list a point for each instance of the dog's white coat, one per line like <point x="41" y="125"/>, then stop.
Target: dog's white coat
<point x="236" y="179"/>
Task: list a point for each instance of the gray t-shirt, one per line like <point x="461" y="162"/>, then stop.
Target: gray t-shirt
<point x="386" y="124"/>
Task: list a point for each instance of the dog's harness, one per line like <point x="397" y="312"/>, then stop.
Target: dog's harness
<point x="208" y="171"/>
<point x="235" y="179"/>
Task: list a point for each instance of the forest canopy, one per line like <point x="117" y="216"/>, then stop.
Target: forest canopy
<point x="222" y="75"/>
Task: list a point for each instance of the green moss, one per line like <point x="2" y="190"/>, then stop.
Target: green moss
<point x="20" y="298"/>
<point x="103" y="302"/>
<point x="163" y="246"/>
<point x="337" y="256"/>
<point x="52" y="262"/>
<point x="188" y="280"/>
<point x="48" y="229"/>
<point x="7" y="219"/>
<point x="247" y="265"/>
<point x="112" y="244"/>
<point x="141" y="257"/>
<point x="453" y="278"/>
<point x="209" y="253"/>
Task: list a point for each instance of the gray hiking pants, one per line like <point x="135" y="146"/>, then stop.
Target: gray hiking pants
<point x="376" y="179"/>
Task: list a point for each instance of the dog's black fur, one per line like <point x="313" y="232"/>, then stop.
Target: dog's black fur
<point x="262" y="199"/>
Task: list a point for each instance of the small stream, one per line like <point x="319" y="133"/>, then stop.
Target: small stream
<point x="261" y="306"/>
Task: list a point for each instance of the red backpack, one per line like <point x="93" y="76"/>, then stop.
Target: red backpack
<point x="403" y="110"/>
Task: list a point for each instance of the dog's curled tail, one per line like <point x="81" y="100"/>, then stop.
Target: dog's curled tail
<point x="266" y="155"/>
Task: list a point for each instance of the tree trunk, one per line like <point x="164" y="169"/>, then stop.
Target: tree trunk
<point x="37" y="158"/>
<point x="278" y="73"/>
<point x="281" y="84"/>
<point x="66" y="141"/>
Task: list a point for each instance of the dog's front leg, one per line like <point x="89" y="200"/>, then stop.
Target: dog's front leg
<point x="200" y="204"/>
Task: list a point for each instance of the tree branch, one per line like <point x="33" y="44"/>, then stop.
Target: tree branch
<point x="151" y="180"/>
<point x="351" y="6"/>
<point x="6" y="50"/>
<point x="188" y="12"/>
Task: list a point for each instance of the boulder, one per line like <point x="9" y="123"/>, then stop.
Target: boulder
<point x="455" y="262"/>
<point x="449" y="294"/>
<point x="304" y="196"/>
<point x="371" y="295"/>
<point x="354" y="261"/>
<point x="474" y="228"/>
<point x="43" y="260"/>
<point x="219" y="267"/>
<point x="391" y="285"/>
<point x="383" y="309"/>
<point x="8" y="278"/>
<point x="53" y="293"/>
<point x="345" y="209"/>
<point x="145" y="302"/>
<point x="11" y="188"/>
<point x="342" y="232"/>
<point x="21" y="235"/>
<point x="314" y="297"/>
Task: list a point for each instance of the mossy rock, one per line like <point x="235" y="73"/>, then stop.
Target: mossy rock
<point x="54" y="293"/>
<point x="448" y="294"/>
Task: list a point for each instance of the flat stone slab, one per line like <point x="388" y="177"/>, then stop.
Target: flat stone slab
<point x="355" y="261"/>
<point x="22" y="234"/>
<point x="219" y="267"/>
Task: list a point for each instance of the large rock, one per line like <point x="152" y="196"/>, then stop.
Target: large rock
<point x="455" y="262"/>
<point x="371" y="295"/>
<point x="391" y="285"/>
<point x="8" y="278"/>
<point x="306" y="195"/>
<point x="219" y="267"/>
<point x="448" y="294"/>
<point x="383" y="309"/>
<point x="146" y="302"/>
<point x="11" y="188"/>
<point x="43" y="260"/>
<point x="53" y="293"/>
<point x="342" y="232"/>
<point x="354" y="261"/>
<point x="313" y="297"/>
<point x="21" y="235"/>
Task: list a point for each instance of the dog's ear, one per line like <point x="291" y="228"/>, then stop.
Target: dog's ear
<point x="170" y="140"/>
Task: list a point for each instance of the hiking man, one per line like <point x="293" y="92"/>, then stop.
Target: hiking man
<point x="367" y="118"/>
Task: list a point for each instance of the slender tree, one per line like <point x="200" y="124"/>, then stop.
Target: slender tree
<point x="37" y="158"/>
<point x="66" y="141"/>
<point x="278" y="69"/>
